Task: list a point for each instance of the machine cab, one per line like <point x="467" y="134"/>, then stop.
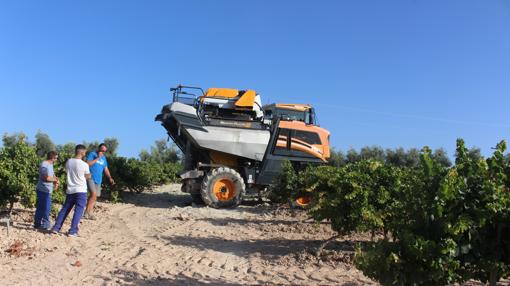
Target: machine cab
<point x="299" y="136"/>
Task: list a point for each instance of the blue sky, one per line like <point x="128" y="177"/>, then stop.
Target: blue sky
<point x="389" y="73"/>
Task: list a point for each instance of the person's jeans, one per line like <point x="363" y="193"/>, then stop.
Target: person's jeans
<point x="78" y="201"/>
<point x="42" y="210"/>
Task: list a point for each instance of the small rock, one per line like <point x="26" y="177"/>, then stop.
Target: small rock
<point x="333" y="279"/>
<point x="77" y="264"/>
<point x="300" y="276"/>
<point x="316" y="276"/>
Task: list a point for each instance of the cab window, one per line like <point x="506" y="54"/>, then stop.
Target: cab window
<point x="310" y="117"/>
<point x="289" y="115"/>
<point x="311" y="138"/>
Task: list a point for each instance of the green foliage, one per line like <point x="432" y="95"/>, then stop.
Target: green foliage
<point x="161" y="152"/>
<point x="352" y="156"/>
<point x="112" y="144"/>
<point x="442" y="224"/>
<point x="18" y="173"/>
<point x="9" y="140"/>
<point x="19" y="169"/>
<point x="398" y="157"/>
<point x="91" y="146"/>
<point x="375" y="153"/>
<point x="141" y="175"/>
<point x="67" y="149"/>
<point x="337" y="158"/>
<point x="285" y="185"/>
<point x="441" y="157"/>
<point x="43" y="144"/>
<point x="402" y="158"/>
<point x="65" y="152"/>
<point x="138" y="176"/>
<point x="452" y="224"/>
<point x="418" y="253"/>
<point x="475" y="153"/>
<point x="355" y="197"/>
<point x="475" y="199"/>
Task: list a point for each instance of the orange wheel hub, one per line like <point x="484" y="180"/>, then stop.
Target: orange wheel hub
<point x="224" y="189"/>
<point x="303" y="201"/>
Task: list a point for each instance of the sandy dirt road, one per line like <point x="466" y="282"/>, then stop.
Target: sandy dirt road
<point x="159" y="238"/>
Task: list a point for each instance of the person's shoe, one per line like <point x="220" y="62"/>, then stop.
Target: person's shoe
<point x="72" y="235"/>
<point x="89" y="216"/>
<point x="54" y="231"/>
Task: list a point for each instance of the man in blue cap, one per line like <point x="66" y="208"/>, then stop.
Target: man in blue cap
<point x="98" y="165"/>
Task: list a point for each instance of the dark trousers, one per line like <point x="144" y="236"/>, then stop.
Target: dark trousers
<point x="42" y="210"/>
<point x="78" y="201"/>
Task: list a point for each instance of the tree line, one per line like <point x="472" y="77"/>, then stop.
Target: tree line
<point x="396" y="157"/>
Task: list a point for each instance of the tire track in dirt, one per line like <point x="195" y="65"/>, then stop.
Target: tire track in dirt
<point x="189" y="261"/>
<point x="184" y="262"/>
<point x="158" y="238"/>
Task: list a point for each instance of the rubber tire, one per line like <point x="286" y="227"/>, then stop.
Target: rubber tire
<point x="212" y="177"/>
<point x="294" y="205"/>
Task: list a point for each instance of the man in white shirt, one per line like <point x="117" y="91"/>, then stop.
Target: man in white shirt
<point x="77" y="174"/>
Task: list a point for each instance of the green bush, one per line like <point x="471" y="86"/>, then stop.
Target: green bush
<point x="18" y="174"/>
<point x="285" y="185"/>
<point x="64" y="153"/>
<point x="453" y="225"/>
<point x="444" y="225"/>
<point x="138" y="176"/>
<point x="354" y="197"/>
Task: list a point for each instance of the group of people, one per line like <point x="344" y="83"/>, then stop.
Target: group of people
<point x="82" y="177"/>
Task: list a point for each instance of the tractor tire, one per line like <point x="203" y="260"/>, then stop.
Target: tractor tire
<point x="304" y="202"/>
<point x="222" y="188"/>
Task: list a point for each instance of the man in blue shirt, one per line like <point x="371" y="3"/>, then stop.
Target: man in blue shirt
<point x="98" y="165"/>
<point x="45" y="185"/>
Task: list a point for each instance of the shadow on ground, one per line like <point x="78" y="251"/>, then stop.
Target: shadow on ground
<point x="171" y="199"/>
<point x="157" y="200"/>
<point x="269" y="249"/>
<point x="259" y="222"/>
<point x="124" y="277"/>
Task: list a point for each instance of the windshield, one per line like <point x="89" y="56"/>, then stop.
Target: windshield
<point x="186" y="99"/>
<point x="289" y="115"/>
<point x="306" y="116"/>
<point x="186" y="94"/>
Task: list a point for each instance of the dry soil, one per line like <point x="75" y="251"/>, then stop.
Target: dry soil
<point x="160" y="238"/>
